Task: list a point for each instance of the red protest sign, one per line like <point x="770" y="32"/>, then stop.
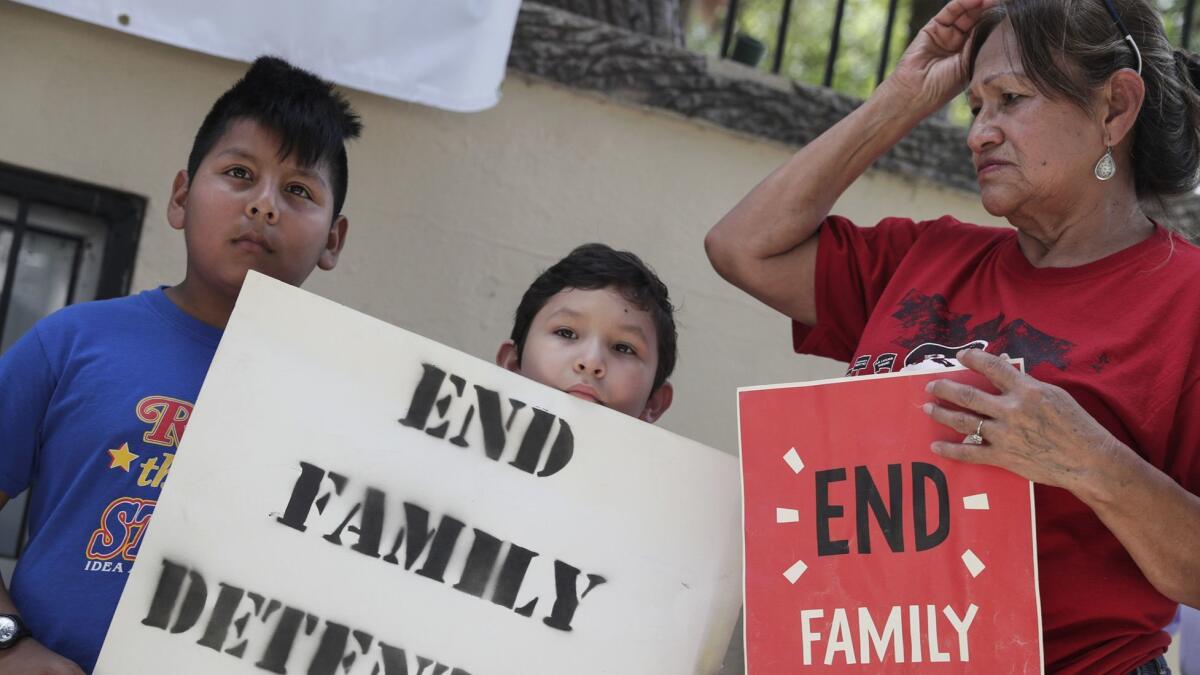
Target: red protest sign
<point x="866" y="551"/>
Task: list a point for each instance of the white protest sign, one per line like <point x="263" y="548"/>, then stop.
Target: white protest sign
<point x="353" y="498"/>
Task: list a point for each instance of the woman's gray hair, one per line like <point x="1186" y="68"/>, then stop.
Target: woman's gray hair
<point x="1069" y="48"/>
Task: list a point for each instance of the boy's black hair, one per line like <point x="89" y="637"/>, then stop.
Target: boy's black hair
<point x="312" y="119"/>
<point x="593" y="266"/>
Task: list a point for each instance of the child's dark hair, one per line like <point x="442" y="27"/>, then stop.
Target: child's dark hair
<point x="594" y="266"/>
<point x="312" y="119"/>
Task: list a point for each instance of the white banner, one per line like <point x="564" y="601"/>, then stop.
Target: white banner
<point x="449" y="54"/>
<point x="352" y="498"/>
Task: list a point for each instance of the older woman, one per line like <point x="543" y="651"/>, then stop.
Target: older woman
<point x="1081" y="110"/>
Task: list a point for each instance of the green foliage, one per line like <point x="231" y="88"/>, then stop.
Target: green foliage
<point x="808" y="38"/>
<point x="857" y="63"/>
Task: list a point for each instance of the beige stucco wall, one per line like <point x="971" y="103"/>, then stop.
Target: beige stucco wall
<point x="452" y="215"/>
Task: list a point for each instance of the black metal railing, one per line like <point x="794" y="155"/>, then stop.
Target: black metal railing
<point x="835" y="37"/>
<point x="1174" y="14"/>
<point x="1185" y="39"/>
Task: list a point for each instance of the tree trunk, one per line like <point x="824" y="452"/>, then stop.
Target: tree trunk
<point x="658" y="18"/>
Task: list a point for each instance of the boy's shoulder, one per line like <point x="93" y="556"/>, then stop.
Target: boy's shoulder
<point x="90" y="316"/>
<point x="124" y="323"/>
<point x="145" y="329"/>
<point x="73" y="334"/>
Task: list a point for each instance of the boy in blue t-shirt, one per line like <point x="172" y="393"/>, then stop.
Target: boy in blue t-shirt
<point x="95" y="398"/>
<point x="597" y="325"/>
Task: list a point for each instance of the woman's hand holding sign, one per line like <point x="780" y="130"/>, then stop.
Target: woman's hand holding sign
<point x="1034" y="429"/>
<point x="1038" y="431"/>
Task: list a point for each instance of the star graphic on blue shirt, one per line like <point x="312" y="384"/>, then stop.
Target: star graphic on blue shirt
<point x="122" y="458"/>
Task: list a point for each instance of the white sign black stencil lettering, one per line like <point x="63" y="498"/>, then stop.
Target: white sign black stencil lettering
<point x="352" y="498"/>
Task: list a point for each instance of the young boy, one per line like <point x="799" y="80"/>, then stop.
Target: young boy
<point x="598" y="325"/>
<point x="95" y="398"/>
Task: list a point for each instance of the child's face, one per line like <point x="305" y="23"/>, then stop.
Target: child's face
<point x="595" y="345"/>
<point x="247" y="209"/>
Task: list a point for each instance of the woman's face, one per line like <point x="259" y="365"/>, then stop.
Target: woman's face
<point x="1034" y="156"/>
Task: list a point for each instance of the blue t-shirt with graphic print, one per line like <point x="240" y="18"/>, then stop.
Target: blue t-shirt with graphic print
<point x="93" y="402"/>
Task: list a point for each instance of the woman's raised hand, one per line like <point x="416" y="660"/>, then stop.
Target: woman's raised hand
<point x="933" y="69"/>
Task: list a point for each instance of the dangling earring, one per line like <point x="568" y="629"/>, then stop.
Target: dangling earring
<point x="1106" y="168"/>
